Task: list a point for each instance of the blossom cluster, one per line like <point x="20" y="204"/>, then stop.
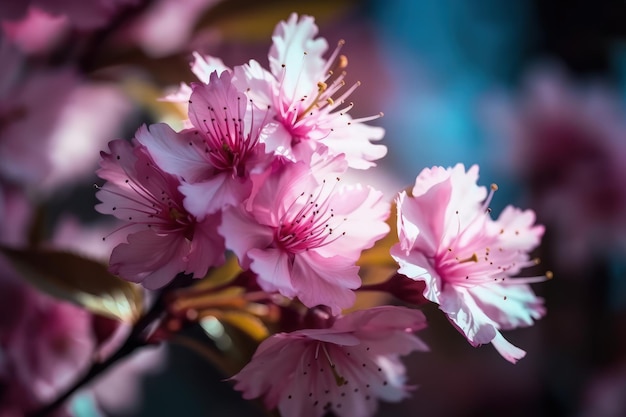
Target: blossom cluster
<point x="257" y="171"/>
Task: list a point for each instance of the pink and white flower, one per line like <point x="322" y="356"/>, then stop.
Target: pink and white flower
<point x="224" y="148"/>
<point x="343" y="369"/>
<point x="303" y="231"/>
<point x="164" y="238"/>
<point x="306" y="94"/>
<point x="466" y="259"/>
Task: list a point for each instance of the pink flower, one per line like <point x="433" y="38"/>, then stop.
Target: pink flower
<point x="164" y="238"/>
<point x="29" y="110"/>
<point x="342" y="369"/>
<point x="566" y="142"/>
<point x="37" y="32"/>
<point x="44" y="345"/>
<point x="182" y="22"/>
<point x="303" y="230"/>
<point x="84" y="14"/>
<point x="50" y="117"/>
<point x="308" y="94"/>
<point x="466" y="259"/>
<point x="218" y="157"/>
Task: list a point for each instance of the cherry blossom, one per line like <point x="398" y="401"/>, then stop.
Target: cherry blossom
<point x="309" y="95"/>
<point x="467" y="260"/>
<point x="218" y="156"/>
<point x="164" y="238"/>
<point x="343" y="369"/>
<point x="306" y="93"/>
<point x="302" y="232"/>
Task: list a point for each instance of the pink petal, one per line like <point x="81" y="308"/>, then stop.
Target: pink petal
<point x="172" y="151"/>
<point x="273" y="270"/>
<point x="214" y="194"/>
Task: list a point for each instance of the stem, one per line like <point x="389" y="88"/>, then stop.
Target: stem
<point x="96" y="369"/>
<point x="135" y="339"/>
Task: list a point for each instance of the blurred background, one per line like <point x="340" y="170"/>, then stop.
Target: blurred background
<point x="532" y="91"/>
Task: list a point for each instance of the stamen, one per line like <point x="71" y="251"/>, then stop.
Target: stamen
<point x="321" y="88"/>
<point x="472" y="258"/>
<point x="492" y="189"/>
<point x="339" y="380"/>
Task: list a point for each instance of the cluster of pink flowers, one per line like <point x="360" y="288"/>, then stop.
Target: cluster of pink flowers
<point x="257" y="171"/>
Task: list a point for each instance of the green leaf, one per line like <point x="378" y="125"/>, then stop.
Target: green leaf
<point x="79" y="280"/>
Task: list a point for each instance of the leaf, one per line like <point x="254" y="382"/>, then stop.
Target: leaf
<point x="245" y="20"/>
<point x="220" y="276"/>
<point x="79" y="280"/>
<point x="247" y="323"/>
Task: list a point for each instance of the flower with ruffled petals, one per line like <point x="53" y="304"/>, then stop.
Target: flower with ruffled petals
<point x="308" y="94"/>
<point x="466" y="259"/>
<point x="343" y="369"/>
<point x="303" y="231"/>
<point x="217" y="158"/>
<point x="164" y="239"/>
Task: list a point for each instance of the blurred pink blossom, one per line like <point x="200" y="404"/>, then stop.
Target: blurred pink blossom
<point x="568" y="143"/>
<point x="604" y="396"/>
<point x="83" y="14"/>
<point x="179" y="17"/>
<point x="30" y="104"/>
<point x="53" y="123"/>
<point x="343" y="369"/>
<point x="449" y="241"/>
<point x="44" y="345"/>
<point x="37" y="32"/>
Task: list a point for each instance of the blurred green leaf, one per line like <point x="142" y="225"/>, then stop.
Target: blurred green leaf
<point x="79" y="280"/>
<point x="246" y="20"/>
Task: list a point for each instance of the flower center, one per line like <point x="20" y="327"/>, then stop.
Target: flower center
<point x="305" y="114"/>
<point x="339" y="379"/>
<point x="309" y="222"/>
<point x="477" y="255"/>
<point x="226" y="144"/>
